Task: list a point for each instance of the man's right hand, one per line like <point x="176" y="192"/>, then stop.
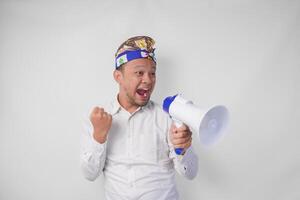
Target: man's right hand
<point x="101" y="121"/>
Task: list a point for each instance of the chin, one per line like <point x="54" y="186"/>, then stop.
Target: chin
<point x="143" y="103"/>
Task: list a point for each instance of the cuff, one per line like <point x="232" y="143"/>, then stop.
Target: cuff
<point x="98" y="146"/>
<point x="185" y="157"/>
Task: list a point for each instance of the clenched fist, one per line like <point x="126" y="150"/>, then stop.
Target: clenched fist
<point x="101" y="121"/>
<point x="181" y="137"/>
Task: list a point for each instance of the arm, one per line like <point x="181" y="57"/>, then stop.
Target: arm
<point x="93" y="144"/>
<point x="185" y="164"/>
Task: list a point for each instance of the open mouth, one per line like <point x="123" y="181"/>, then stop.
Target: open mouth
<point x="143" y="92"/>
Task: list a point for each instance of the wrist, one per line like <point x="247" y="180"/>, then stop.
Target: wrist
<point x="99" y="138"/>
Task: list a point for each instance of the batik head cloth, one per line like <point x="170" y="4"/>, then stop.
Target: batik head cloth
<point x="134" y="48"/>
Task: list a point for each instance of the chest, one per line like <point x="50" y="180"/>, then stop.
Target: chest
<point x="139" y="137"/>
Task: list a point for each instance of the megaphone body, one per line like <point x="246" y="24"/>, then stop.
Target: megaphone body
<point x="209" y="124"/>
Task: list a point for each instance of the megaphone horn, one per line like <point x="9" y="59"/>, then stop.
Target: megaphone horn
<point x="209" y="124"/>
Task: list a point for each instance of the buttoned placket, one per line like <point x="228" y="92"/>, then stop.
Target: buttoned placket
<point x="130" y="117"/>
<point x="130" y="150"/>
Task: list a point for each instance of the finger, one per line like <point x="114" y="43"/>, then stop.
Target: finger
<point x="110" y="119"/>
<point x="181" y="141"/>
<point x="96" y="110"/>
<point x="186" y="132"/>
<point x="181" y="134"/>
<point x="188" y="144"/>
<point x="173" y="128"/>
<point x="184" y="145"/>
<point x="94" y="113"/>
<point x="183" y="128"/>
<point x="101" y="110"/>
<point x="173" y="131"/>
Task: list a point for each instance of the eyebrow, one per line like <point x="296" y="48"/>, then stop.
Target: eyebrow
<point x="139" y="66"/>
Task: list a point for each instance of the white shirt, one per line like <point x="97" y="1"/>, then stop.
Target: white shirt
<point x="138" y="159"/>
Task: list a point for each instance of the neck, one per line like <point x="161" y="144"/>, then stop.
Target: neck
<point x="126" y="104"/>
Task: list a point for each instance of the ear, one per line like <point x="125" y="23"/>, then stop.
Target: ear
<point x="118" y="76"/>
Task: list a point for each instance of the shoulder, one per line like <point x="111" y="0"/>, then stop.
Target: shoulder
<point x="152" y="105"/>
<point x="157" y="109"/>
<point x="162" y="119"/>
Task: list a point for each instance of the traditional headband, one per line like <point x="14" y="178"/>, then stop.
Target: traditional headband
<point x="132" y="55"/>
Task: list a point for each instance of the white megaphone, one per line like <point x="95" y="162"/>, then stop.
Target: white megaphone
<point x="209" y="124"/>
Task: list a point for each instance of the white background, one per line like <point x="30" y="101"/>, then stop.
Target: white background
<point x="57" y="59"/>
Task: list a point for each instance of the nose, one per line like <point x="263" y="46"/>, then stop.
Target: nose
<point x="147" y="78"/>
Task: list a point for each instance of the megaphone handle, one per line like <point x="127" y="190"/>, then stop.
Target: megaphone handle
<point x="178" y="124"/>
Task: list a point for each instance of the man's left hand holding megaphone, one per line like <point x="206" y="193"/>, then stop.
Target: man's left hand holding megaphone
<point x="181" y="137"/>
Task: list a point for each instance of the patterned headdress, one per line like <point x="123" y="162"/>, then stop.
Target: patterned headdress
<point x="134" y="48"/>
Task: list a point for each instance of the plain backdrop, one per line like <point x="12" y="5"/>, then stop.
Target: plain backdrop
<point x="57" y="59"/>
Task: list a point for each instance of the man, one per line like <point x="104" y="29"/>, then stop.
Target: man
<point x="132" y="141"/>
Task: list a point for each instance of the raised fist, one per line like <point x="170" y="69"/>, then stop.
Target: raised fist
<point x="101" y="121"/>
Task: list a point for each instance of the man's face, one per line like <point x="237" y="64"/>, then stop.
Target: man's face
<point x="137" y="80"/>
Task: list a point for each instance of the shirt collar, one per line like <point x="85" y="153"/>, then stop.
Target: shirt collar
<point x="116" y="107"/>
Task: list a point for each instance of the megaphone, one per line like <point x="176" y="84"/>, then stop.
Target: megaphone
<point x="209" y="124"/>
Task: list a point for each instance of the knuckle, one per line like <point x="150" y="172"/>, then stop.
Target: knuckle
<point x="174" y="136"/>
<point x="182" y="134"/>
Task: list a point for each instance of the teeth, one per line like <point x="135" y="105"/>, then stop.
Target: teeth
<point x="144" y="92"/>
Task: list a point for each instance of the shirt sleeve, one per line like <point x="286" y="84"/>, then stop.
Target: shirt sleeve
<point x="187" y="164"/>
<point x="92" y="154"/>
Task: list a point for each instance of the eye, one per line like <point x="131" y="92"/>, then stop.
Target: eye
<point x="153" y="73"/>
<point x="139" y="73"/>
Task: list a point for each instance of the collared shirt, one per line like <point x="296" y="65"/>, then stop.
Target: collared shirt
<point x="138" y="160"/>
